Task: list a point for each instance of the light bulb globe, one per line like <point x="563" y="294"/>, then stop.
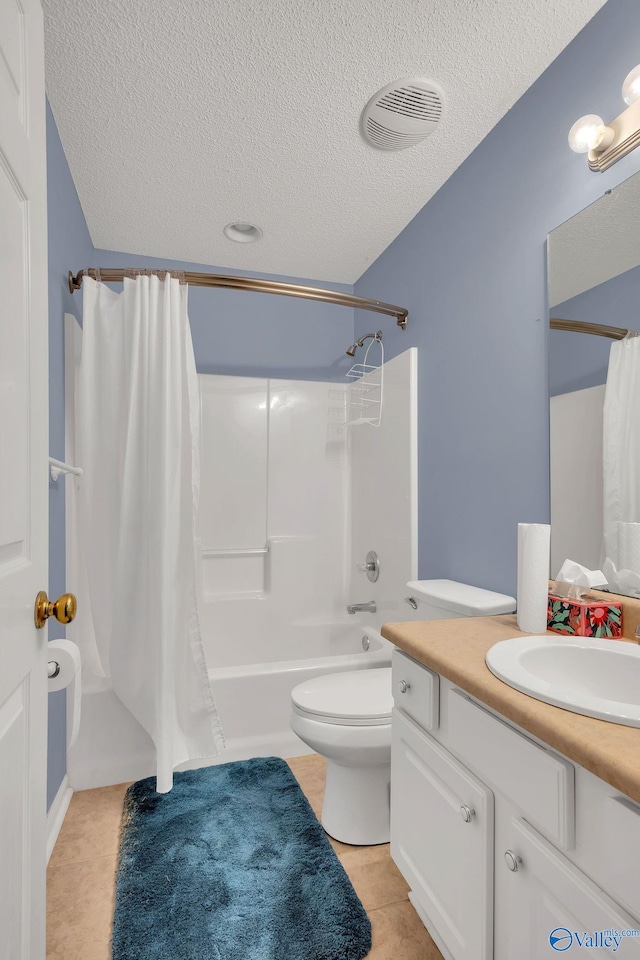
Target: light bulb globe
<point x="631" y="86"/>
<point x="586" y="133"/>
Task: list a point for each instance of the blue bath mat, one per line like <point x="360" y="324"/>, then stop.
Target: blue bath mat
<point x="232" y="865"/>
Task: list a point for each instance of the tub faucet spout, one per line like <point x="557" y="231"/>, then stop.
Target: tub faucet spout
<point x="368" y="607"/>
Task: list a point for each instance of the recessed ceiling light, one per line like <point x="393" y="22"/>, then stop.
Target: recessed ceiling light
<point x="242" y="232"/>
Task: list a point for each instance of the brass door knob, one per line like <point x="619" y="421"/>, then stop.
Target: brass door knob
<point x="63" y="609"/>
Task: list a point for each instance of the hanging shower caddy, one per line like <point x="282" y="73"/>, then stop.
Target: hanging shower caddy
<point x="363" y="397"/>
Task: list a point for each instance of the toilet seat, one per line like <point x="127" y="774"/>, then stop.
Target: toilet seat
<point x="356" y="698"/>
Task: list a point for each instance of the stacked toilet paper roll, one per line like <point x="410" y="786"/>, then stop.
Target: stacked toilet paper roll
<point x="67" y="677"/>
<point x="628" y="546"/>
<point x="534" y="540"/>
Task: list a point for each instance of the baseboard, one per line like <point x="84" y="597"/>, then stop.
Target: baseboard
<point x="57" y="813"/>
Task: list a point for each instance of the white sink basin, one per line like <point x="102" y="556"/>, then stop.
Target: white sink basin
<point x="598" y="678"/>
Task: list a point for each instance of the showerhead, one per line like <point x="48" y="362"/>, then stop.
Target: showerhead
<point x="351" y="351"/>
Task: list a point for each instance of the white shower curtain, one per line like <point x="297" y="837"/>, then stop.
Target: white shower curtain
<point x="621" y="455"/>
<point x="138" y="443"/>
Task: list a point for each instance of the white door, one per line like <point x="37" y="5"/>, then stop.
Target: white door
<point x="23" y="479"/>
<point x="442" y="841"/>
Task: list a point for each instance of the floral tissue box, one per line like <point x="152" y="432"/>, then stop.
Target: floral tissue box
<point x="588" y="617"/>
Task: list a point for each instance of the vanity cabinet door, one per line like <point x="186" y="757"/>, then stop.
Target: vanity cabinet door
<point x="546" y="906"/>
<point x="442" y="841"/>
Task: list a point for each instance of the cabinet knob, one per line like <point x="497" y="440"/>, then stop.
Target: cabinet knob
<point x="467" y="813"/>
<point x="404" y="686"/>
<point x="512" y="860"/>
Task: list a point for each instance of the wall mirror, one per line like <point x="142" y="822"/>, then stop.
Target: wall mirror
<point x="594" y="279"/>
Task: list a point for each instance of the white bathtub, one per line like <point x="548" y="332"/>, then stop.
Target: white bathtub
<point x="254" y="705"/>
<point x="254" y="701"/>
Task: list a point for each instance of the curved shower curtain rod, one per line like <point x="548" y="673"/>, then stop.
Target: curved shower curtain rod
<point x="581" y="326"/>
<point x="248" y="283"/>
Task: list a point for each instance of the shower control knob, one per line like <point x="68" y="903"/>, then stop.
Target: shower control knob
<point x="63" y="609"/>
<point x="371" y="566"/>
<point x="512" y="860"/>
<point x="467" y="813"/>
<point x="404" y="686"/>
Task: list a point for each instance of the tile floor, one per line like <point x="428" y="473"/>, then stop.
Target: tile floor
<point x="80" y="879"/>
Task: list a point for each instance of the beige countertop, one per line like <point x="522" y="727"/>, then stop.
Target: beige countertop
<point x="456" y="649"/>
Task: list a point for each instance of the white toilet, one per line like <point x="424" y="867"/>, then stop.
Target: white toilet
<point x="346" y="717"/>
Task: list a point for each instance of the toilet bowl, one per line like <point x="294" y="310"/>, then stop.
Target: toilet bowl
<point x="346" y="717"/>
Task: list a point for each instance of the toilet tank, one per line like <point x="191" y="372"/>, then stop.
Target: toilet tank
<point x="446" y="599"/>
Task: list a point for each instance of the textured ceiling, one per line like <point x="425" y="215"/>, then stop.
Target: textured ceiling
<point x="179" y="116"/>
<point x="597" y="244"/>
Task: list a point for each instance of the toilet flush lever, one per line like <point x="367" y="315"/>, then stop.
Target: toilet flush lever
<point x="412" y="602"/>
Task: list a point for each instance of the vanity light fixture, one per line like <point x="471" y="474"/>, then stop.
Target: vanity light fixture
<point x="631" y="86"/>
<point x="608" y="143"/>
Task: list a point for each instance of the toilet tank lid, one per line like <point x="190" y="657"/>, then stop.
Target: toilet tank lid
<point x="462" y="598"/>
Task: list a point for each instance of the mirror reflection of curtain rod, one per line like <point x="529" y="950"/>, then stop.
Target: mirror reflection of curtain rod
<point x="597" y="329"/>
<point x="255" y="284"/>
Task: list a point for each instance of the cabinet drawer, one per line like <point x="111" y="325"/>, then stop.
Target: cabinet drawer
<point x="539" y="782"/>
<point x="416" y="690"/>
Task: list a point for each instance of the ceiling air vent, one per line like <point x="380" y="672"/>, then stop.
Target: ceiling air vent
<point x="402" y="114"/>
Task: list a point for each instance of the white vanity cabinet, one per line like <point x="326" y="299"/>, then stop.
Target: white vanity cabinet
<point x="502" y="839"/>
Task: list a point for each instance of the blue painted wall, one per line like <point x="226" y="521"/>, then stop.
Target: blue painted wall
<point x="577" y="361"/>
<point x="470" y="268"/>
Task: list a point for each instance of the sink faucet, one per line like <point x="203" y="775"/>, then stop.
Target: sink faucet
<point x="369" y="607"/>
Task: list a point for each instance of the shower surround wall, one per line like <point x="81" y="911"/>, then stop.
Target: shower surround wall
<point x="384" y="494"/>
<point x="273" y="520"/>
<point x="322" y="496"/>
